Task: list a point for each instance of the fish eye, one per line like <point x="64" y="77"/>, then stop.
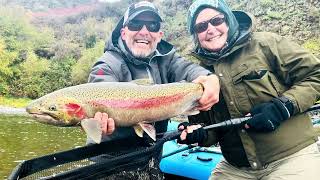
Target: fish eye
<point x="52" y="108"/>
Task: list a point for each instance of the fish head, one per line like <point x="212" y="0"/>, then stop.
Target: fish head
<point x="58" y="111"/>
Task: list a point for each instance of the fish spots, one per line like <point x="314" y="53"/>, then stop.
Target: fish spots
<point x="135" y="103"/>
<point x="75" y="110"/>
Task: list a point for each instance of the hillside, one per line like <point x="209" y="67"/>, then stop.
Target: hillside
<point x="298" y="19"/>
<point x="46" y="5"/>
<point x="49" y="44"/>
<point x="63" y="12"/>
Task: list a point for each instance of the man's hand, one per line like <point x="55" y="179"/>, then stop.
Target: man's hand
<point x="107" y="124"/>
<point x="211" y="92"/>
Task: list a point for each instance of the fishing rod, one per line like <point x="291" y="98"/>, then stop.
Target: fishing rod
<point x="231" y="122"/>
<point x="237" y="121"/>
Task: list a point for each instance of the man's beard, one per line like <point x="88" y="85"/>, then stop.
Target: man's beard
<point x="142" y="53"/>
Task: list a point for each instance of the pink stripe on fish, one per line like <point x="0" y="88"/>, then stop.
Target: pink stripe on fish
<point x="139" y="103"/>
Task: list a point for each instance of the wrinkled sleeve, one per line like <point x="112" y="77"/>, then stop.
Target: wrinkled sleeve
<point x="299" y="69"/>
<point x="102" y="72"/>
<point x="181" y="69"/>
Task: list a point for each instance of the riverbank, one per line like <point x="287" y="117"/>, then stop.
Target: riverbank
<point x="16" y="102"/>
<point x="12" y="111"/>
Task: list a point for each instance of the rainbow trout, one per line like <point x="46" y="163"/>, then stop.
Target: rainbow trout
<point x="128" y="103"/>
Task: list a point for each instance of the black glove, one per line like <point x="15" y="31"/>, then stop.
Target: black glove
<point x="197" y="136"/>
<point x="266" y="117"/>
<point x="184" y="125"/>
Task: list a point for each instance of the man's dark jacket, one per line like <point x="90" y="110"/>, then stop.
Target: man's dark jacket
<point x="165" y="66"/>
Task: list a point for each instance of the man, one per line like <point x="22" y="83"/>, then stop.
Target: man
<point x="263" y="75"/>
<point x="136" y="51"/>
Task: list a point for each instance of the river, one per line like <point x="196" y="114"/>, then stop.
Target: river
<point x="22" y="138"/>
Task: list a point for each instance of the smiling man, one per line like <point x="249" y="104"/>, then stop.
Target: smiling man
<point x="142" y="34"/>
<point x="136" y="51"/>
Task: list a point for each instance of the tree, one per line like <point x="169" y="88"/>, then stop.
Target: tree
<point x="5" y="70"/>
<point x="81" y="70"/>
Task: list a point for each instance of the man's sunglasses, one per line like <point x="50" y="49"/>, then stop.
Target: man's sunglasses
<point x="152" y="26"/>
<point x="215" y="21"/>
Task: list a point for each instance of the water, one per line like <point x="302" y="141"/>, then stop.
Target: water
<point x="22" y="139"/>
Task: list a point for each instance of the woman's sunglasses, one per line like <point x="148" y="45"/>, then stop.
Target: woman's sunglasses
<point x="202" y="26"/>
<point x="152" y="26"/>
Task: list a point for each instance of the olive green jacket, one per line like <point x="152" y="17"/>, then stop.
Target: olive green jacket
<point x="259" y="67"/>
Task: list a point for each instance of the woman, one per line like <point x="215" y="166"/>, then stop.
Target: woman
<point x="263" y="75"/>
